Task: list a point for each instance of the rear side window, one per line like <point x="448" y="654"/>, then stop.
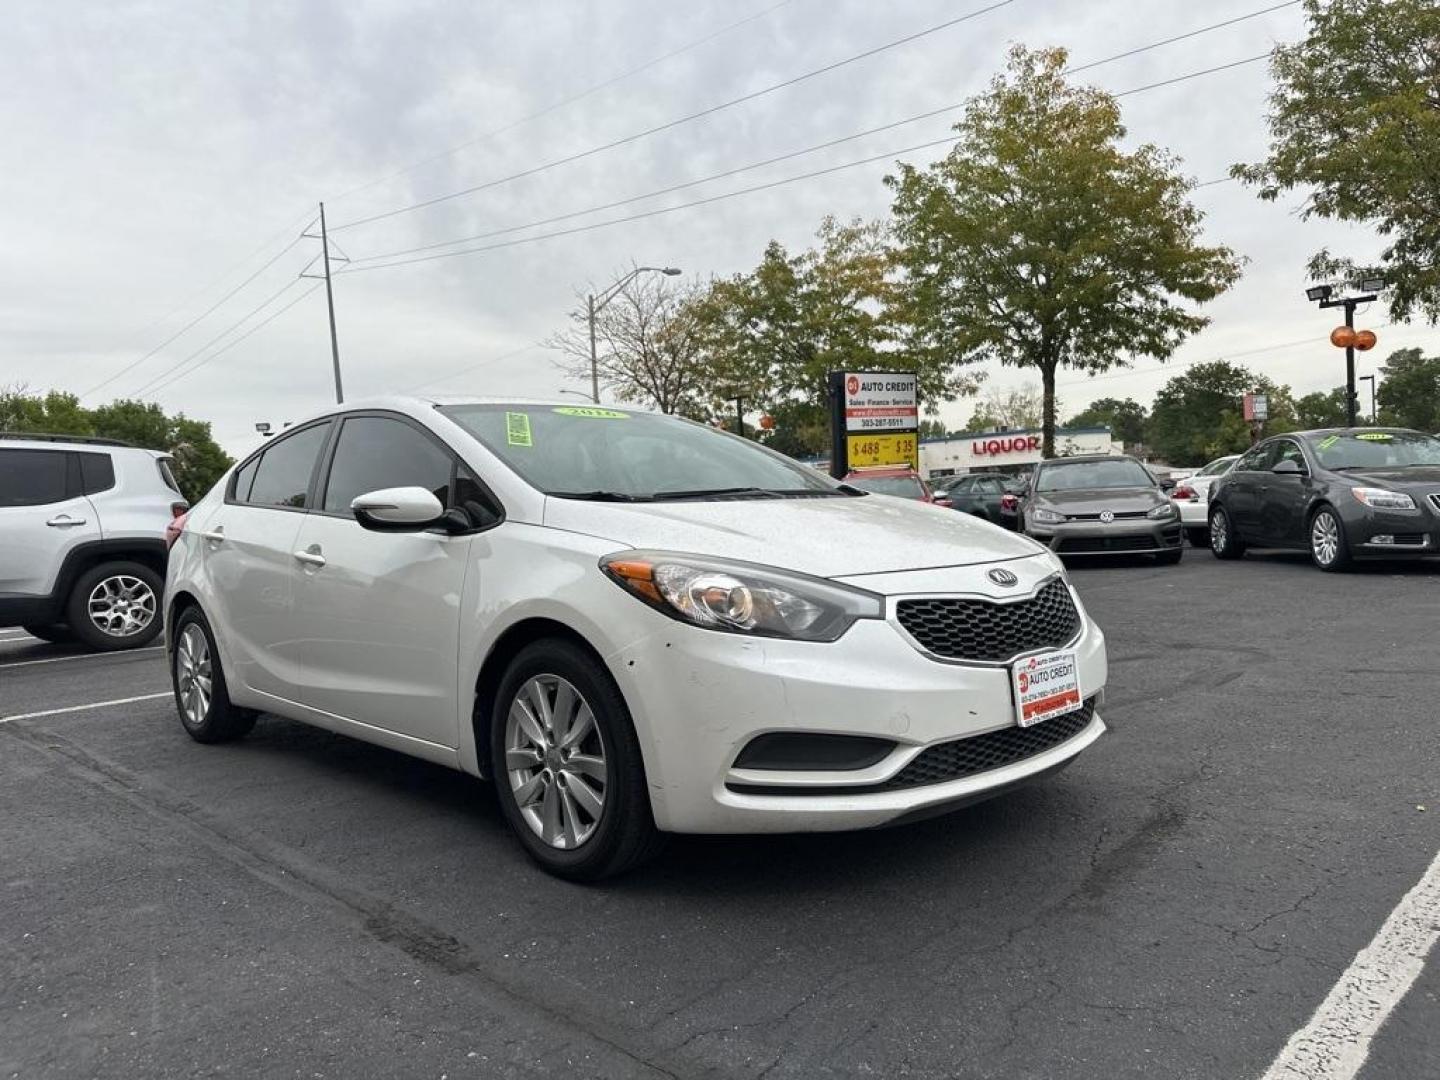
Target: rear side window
<point x="374" y="452"/>
<point x="282" y="477"/>
<point x="97" y="473"/>
<point x="32" y="477"/>
<point x="167" y="475"/>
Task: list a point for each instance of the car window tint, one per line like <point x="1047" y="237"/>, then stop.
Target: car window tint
<point x="32" y="477"/>
<point x="1253" y="460"/>
<point x="374" y="453"/>
<point x="282" y="477"/>
<point x="989" y="487"/>
<point x="97" y="473"/>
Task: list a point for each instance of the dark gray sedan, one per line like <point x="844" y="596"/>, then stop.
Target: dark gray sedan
<point x="1100" y="505"/>
<point x="1341" y="494"/>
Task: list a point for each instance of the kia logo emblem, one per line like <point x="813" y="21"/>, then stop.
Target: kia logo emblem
<point x="1003" y="577"/>
<point x="1107" y="516"/>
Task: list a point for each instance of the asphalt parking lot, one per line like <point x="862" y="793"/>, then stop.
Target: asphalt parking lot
<point x="1177" y="904"/>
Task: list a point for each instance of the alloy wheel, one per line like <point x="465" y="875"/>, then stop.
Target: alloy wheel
<point x="1325" y="538"/>
<point x="193" y="676"/>
<point x="555" y="761"/>
<point x="1218" y="532"/>
<point x="121" y="606"/>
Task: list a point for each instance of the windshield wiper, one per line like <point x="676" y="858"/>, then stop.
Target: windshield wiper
<point x="598" y="496"/>
<point x="704" y="493"/>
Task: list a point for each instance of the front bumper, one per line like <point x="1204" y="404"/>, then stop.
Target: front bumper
<point x="1411" y="533"/>
<point x="699" y="697"/>
<point x="1126" y="536"/>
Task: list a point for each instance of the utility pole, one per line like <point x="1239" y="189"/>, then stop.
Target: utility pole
<point x="324" y="239"/>
<point x="593" y="306"/>
<point x="740" y="416"/>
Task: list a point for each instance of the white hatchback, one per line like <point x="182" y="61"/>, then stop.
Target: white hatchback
<point x="634" y="624"/>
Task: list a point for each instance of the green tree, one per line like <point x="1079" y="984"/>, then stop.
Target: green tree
<point x="1355" y="125"/>
<point x="1125" y="419"/>
<point x="1322" y="409"/>
<point x="1199" y="415"/>
<point x="933" y="429"/>
<point x="57" y="413"/>
<point x="1039" y="241"/>
<point x="1409" y="391"/>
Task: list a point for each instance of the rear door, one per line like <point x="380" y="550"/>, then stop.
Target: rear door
<point x="382" y="609"/>
<point x="248" y="545"/>
<point x="44" y="515"/>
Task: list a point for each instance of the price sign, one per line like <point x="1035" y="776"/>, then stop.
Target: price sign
<point x="871" y="450"/>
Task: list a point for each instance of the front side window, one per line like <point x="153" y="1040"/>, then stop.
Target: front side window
<point x="1254" y="460"/>
<point x="1286" y="450"/>
<point x="282" y="476"/>
<point x="592" y="452"/>
<point x="32" y="477"/>
<point x="1215" y="468"/>
<point x="374" y="452"/>
<point x="1086" y="475"/>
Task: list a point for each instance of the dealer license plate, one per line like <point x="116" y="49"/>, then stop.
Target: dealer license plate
<point x="1045" y="686"/>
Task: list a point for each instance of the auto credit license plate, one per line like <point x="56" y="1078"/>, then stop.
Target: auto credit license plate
<point x="1045" y="686"/>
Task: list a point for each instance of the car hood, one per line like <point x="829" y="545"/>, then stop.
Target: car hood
<point x="1420" y="477"/>
<point x="826" y="537"/>
<point x="1097" y="500"/>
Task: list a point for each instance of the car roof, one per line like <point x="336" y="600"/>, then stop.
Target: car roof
<point x="420" y="404"/>
<point x="21" y="440"/>
<point x="1086" y="457"/>
<point x="883" y="470"/>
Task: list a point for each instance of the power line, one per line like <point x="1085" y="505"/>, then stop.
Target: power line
<point x="636" y="136"/>
<point x="226" y="348"/>
<point x="195" y="321"/>
<point x="1182" y="37"/>
<point x="465" y="371"/>
<point x="355" y="269"/>
<point x="223" y="333"/>
<point x="571" y="100"/>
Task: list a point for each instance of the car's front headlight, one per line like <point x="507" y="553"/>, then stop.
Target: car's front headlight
<point x="1047" y="517"/>
<point x="1164" y="510"/>
<point x="741" y="598"/>
<point x="1382" y="499"/>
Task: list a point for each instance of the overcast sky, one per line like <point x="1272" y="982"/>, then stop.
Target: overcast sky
<point x="157" y="154"/>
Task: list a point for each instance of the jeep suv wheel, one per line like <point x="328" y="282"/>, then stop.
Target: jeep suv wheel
<point x="116" y="605"/>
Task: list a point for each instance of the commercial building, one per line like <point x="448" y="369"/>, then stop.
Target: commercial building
<point x="1016" y="450"/>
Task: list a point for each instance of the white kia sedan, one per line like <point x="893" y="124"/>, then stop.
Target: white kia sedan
<point x="631" y="623"/>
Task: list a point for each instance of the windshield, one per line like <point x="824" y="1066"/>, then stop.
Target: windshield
<point x="907" y="487"/>
<point x="592" y="452"/>
<point x="1375" y="449"/>
<point x="1215" y="468"/>
<point x="1086" y="475"/>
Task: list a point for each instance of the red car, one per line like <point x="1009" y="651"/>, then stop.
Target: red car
<point x="900" y="481"/>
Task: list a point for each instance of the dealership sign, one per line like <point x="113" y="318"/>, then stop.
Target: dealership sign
<point x="874" y="419"/>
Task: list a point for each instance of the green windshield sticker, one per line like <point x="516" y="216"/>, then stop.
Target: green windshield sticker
<point x="1329" y="441"/>
<point x="590" y="413"/>
<point x="517" y="429"/>
<point x="1375" y="436"/>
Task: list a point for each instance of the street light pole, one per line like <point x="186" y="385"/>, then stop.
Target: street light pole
<point x="1324" y="294"/>
<point x="593" y="307"/>
<point x="1371" y="380"/>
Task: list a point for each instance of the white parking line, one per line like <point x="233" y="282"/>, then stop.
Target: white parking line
<point x="1336" y="1041"/>
<point x="83" y="708"/>
<point x="82" y="656"/>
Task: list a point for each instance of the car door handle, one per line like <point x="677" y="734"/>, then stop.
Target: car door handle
<point x="216" y="536"/>
<point x="310" y="557"/>
<point x="64" y="521"/>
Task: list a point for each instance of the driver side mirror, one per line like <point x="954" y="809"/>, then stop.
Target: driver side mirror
<point x="403" y="509"/>
<point x="1288" y="467"/>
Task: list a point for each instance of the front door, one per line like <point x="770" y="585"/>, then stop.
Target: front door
<point x="1285" y="498"/>
<point x="382" y="609"/>
<point x="1243" y="492"/>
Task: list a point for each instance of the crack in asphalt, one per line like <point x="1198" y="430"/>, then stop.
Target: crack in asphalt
<point x="383" y="921"/>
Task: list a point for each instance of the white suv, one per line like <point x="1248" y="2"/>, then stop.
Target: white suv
<point x="82" y="538"/>
<point x="633" y="623"/>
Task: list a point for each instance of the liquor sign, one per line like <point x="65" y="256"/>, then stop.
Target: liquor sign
<point x="874" y="419"/>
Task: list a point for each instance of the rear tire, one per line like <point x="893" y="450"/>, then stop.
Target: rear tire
<point x="115" y="605"/>
<point x="55" y="633"/>
<point x="567" y="765"/>
<point x="1198" y="537"/>
<point x="1225" y="543"/>
<point x="198" y="679"/>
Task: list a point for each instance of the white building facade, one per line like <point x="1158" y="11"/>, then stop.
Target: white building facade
<point x="1008" y="451"/>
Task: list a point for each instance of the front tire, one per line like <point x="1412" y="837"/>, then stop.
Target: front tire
<point x="1225" y="543"/>
<point x="115" y="606"/>
<point x="1329" y="550"/>
<point x="198" y="679"/>
<point x="567" y="765"/>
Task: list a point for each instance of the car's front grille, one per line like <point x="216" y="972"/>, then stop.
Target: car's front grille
<point x="1118" y="515"/>
<point x="956" y="759"/>
<point x="1085" y="545"/>
<point x="990" y="632"/>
